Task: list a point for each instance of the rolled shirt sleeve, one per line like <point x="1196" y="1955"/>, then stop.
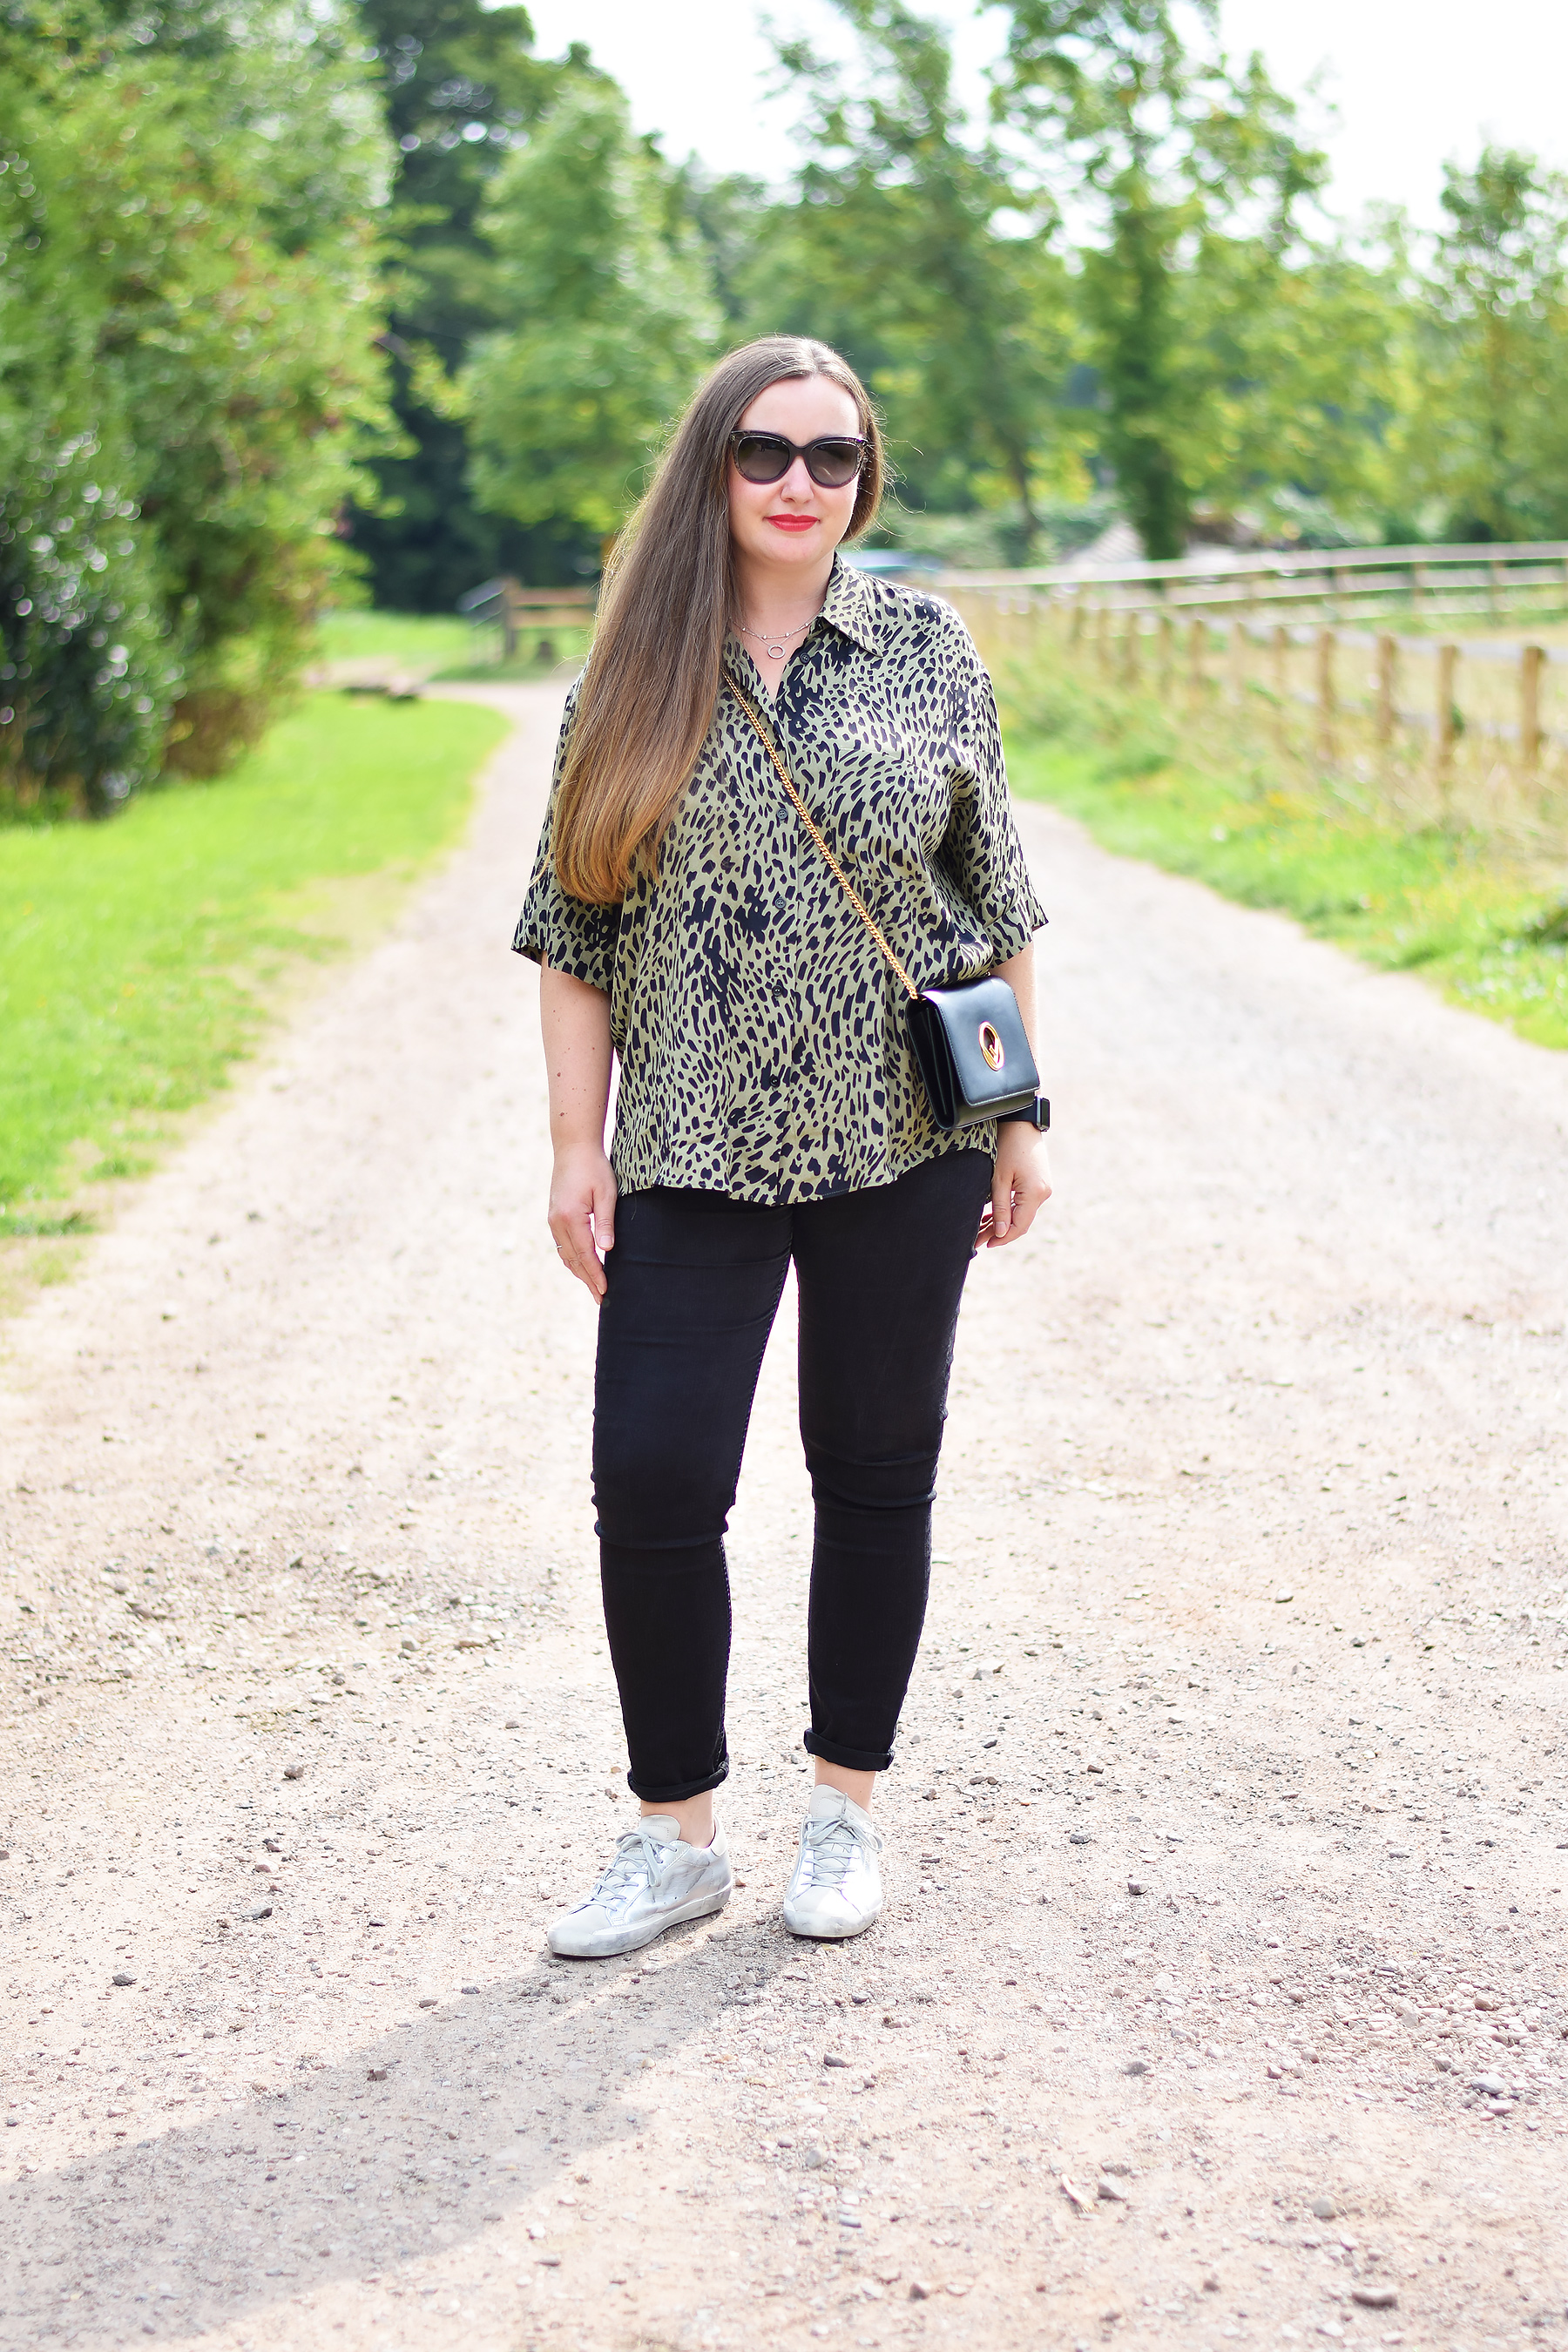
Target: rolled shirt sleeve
<point x="569" y="934"/>
<point x="981" y="851"/>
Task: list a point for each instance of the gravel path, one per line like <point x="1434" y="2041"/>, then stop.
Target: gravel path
<point x="1220" y="1996"/>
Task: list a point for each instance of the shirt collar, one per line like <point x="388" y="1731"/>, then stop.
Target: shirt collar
<point x="850" y="606"/>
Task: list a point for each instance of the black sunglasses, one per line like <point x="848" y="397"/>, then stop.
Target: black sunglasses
<point x="768" y="457"/>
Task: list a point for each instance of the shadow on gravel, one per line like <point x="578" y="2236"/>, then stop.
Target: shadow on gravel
<point x="343" y="2175"/>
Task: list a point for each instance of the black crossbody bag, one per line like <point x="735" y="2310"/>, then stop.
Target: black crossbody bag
<point x="969" y="1039"/>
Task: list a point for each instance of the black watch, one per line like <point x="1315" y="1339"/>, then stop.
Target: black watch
<point x="1036" y="1114"/>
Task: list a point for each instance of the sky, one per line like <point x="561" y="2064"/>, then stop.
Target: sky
<point x="1413" y="85"/>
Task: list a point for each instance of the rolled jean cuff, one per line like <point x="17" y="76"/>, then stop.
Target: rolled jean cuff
<point x="678" y="1794"/>
<point x="852" y="1759"/>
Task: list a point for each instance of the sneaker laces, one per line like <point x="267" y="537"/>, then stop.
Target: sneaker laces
<point x="831" y="1843"/>
<point x="635" y="1864"/>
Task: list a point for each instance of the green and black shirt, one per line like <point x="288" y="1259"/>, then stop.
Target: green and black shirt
<point x="762" y="1045"/>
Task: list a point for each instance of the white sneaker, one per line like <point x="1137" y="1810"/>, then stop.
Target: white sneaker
<point x="655" y="1882"/>
<point x="836" y="1888"/>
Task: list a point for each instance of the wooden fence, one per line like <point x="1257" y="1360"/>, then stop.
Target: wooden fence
<point x="543" y="612"/>
<point x="1428" y="584"/>
<point x="1438" y="729"/>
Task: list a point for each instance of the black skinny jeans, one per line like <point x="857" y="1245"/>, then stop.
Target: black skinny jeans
<point x="694" y="1281"/>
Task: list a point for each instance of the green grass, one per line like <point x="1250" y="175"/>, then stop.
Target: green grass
<point x="430" y="646"/>
<point x="1488" y="935"/>
<point x="568" y="651"/>
<point x="421" y="642"/>
<point x="137" y="956"/>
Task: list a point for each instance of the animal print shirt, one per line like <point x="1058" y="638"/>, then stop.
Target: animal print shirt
<point x="764" y="1052"/>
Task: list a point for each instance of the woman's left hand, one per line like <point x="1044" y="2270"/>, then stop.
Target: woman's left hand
<point x="1020" y="1186"/>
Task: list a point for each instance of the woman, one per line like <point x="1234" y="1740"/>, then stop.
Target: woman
<point x="769" y="1108"/>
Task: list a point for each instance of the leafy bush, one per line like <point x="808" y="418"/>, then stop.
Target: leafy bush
<point x="88" y="675"/>
<point x="190" y="302"/>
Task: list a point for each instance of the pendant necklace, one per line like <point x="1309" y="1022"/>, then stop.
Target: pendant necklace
<point x="775" y="642"/>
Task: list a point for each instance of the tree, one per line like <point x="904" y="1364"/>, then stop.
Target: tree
<point x="896" y="247"/>
<point x="729" y="214"/>
<point x="1172" y="148"/>
<point x="1488" y="442"/>
<point x="614" y="320"/>
<point x="1293" y="373"/>
<point x="461" y="87"/>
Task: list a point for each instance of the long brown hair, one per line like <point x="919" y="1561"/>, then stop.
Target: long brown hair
<point x="648" y="693"/>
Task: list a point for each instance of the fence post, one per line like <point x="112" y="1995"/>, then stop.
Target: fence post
<point x="1448" y="655"/>
<point x="1280" y="645"/>
<point x="1102" y="638"/>
<point x="1131" y="649"/>
<point x="1325" y="696"/>
<point x="1167" y="654"/>
<point x="1387" y="664"/>
<point x="1196" y="676"/>
<point x="1074" y="621"/>
<point x="1530" y="661"/>
<point x="511" y="614"/>
<point x="1240" y="637"/>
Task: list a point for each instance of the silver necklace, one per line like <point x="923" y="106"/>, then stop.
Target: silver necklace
<point x="775" y="642"/>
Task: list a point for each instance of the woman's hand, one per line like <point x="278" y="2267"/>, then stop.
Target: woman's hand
<point x="582" y="1213"/>
<point x="575" y="1022"/>
<point x="1020" y="1185"/>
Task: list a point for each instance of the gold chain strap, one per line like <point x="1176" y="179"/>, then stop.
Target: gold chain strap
<point x="786" y="780"/>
